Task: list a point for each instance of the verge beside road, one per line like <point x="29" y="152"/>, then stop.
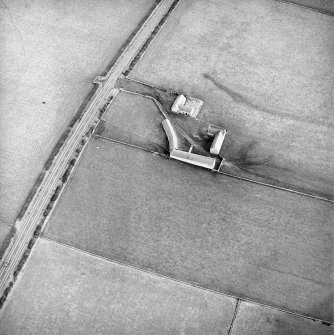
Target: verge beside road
<point x="28" y="223"/>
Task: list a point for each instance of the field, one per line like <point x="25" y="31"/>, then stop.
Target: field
<point x="264" y="70"/>
<point x="259" y="320"/>
<point x="211" y="230"/>
<point x="142" y="244"/>
<point x="51" y="53"/>
<point x="143" y="122"/>
<point x="66" y="291"/>
<point x="321" y="5"/>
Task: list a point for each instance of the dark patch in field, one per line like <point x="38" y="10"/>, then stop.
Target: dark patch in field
<point x="100" y="127"/>
<point x="249" y="161"/>
<point x="242" y="99"/>
<point x="245" y="157"/>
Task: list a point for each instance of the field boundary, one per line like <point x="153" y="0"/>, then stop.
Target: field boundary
<point x="313" y="8"/>
<point x="9" y="239"/>
<point x="131" y="145"/>
<point x="51" y="205"/>
<point x="92" y="111"/>
<point x="276" y="187"/>
<point x="168" y="117"/>
<point x="272" y="185"/>
<point x="63" y="162"/>
<point x="81" y="110"/>
<point x="128" y="40"/>
<point x="145" y="47"/>
<point x="110" y="260"/>
<point x="236" y="310"/>
<point x="66" y="134"/>
<point x="222" y="173"/>
<point x="5" y="299"/>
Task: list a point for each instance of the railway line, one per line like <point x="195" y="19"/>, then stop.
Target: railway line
<point x="27" y="225"/>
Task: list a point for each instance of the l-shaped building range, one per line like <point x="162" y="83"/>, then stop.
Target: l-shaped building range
<point x="191" y="107"/>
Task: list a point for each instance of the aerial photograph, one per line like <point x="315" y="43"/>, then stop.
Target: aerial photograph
<point x="167" y="167"/>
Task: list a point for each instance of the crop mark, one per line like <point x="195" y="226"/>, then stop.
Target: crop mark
<point x="244" y="100"/>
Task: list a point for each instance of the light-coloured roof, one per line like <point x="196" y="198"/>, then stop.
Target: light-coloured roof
<point x="171" y="134"/>
<point x="217" y="142"/>
<point x="179" y="101"/>
<point x="194" y="159"/>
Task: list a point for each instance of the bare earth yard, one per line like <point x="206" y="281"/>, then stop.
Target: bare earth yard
<point x="264" y="69"/>
<point x="50" y="54"/>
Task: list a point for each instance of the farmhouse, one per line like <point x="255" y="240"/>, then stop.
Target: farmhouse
<point x="187" y="105"/>
<point x="178" y="103"/>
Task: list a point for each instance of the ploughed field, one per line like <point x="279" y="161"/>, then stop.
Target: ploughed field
<point x="51" y="53"/>
<point x="66" y="291"/>
<point x="264" y="70"/>
<point x="218" y="232"/>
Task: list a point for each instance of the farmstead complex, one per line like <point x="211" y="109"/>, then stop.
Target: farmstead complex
<point x="157" y="174"/>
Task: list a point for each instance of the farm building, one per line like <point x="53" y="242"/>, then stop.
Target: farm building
<point x="218" y="142"/>
<point x="194" y="159"/>
<point x="185" y="156"/>
<point x="187" y="105"/>
<point x="171" y="135"/>
<point x="212" y="130"/>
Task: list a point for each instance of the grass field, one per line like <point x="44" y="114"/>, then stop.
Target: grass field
<point x="143" y="122"/>
<point x="51" y="52"/>
<point x="211" y="230"/>
<point x="259" y="320"/>
<point x="264" y="70"/>
<point x="325" y="5"/>
<point x="65" y="291"/>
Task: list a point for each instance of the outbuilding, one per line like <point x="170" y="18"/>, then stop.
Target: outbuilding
<point x="218" y="142"/>
<point x="178" y="103"/>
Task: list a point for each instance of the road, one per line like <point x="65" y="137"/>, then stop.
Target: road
<point x="28" y="223"/>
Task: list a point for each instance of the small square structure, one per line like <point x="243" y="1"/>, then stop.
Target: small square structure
<point x="187" y="105"/>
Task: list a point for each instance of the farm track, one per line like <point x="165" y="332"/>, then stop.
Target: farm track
<point x="31" y="219"/>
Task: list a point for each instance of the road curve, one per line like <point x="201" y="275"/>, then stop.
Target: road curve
<point x="27" y="225"/>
